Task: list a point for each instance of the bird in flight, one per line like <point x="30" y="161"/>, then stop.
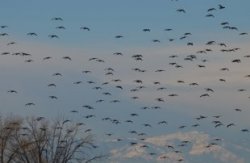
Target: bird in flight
<point x="31" y="34"/>
<point x="118" y="36"/>
<point x="85" y="28"/>
<point x="181" y="10"/>
<point x="12" y="91"/>
<point x="30" y="104"/>
<point x="57" y="18"/>
<point x="53" y="36"/>
<point x="146" y="30"/>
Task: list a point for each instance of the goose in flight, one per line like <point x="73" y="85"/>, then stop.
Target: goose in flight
<point x="118" y="36"/>
<point x="210" y="15"/>
<point x="224" y="69"/>
<point x="29" y="60"/>
<point x="11" y="43"/>
<point x="117" y="53"/>
<point x="238" y="110"/>
<point x="46" y="58"/>
<point x="146" y="30"/>
<point x="160" y="99"/>
<point x="52" y="85"/>
<point x="30" y="104"/>
<point x="53" y="36"/>
<point x="3" y="34"/>
<point x="57" y="18"/>
<point x="66" y="57"/>
<point x="243" y="33"/>
<point x="209" y="90"/>
<point x="3" y="26"/>
<point x="162" y="122"/>
<point x="161" y="88"/>
<point x="156" y="40"/>
<point x="222" y="80"/>
<point x="231" y="124"/>
<point x="12" y="91"/>
<point x="31" y="34"/>
<point x="245" y="130"/>
<point x="168" y="29"/>
<point x="57" y="74"/>
<point x="78" y="82"/>
<point x="204" y="95"/>
<point x="221" y="7"/>
<point x="181" y="10"/>
<point x="60" y="27"/>
<point x="211" y="9"/>
<point x="85" y="28"/>
<point x="5" y="53"/>
<point x="236" y="61"/>
<point x="53" y="97"/>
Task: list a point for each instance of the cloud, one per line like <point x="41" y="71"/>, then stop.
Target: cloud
<point x="129" y="152"/>
<point x="200" y="144"/>
<point x="200" y="141"/>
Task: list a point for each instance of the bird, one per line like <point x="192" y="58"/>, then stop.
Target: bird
<point x="222" y="80"/>
<point x="31" y="34"/>
<point x="211" y="9"/>
<point x="4" y="34"/>
<point x="57" y="74"/>
<point x="5" y="53"/>
<point x="181" y="10"/>
<point x="120" y="87"/>
<point x="11" y="43"/>
<point x="53" y="97"/>
<point x="210" y="15"/>
<point x="30" y="104"/>
<point x="12" y="91"/>
<point x="60" y="27"/>
<point x="243" y="33"/>
<point x="117" y="53"/>
<point x="46" y="58"/>
<point x="52" y="85"/>
<point x="236" y="61"/>
<point x="3" y="26"/>
<point x="160" y="99"/>
<point x="146" y="30"/>
<point x="29" y="60"/>
<point x="77" y="82"/>
<point x="162" y="122"/>
<point x="245" y="130"/>
<point x="224" y="69"/>
<point x="134" y="114"/>
<point x="221" y="7"/>
<point x="53" y="36"/>
<point x="230" y="124"/>
<point x="85" y="28"/>
<point x="204" y="95"/>
<point x="118" y="36"/>
<point x="147" y="125"/>
<point x="66" y="57"/>
<point x="156" y="40"/>
<point x="168" y="29"/>
<point x="57" y="18"/>
<point x="209" y="90"/>
<point x="238" y="110"/>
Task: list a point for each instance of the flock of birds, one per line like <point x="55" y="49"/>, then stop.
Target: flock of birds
<point x="160" y="102"/>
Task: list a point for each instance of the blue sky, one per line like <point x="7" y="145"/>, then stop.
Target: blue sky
<point x="107" y="19"/>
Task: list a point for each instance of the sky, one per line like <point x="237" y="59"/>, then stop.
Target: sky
<point x="152" y="103"/>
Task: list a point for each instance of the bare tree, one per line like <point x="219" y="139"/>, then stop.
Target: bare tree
<point x="35" y="140"/>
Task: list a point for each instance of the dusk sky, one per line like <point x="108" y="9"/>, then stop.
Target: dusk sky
<point x="167" y="80"/>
